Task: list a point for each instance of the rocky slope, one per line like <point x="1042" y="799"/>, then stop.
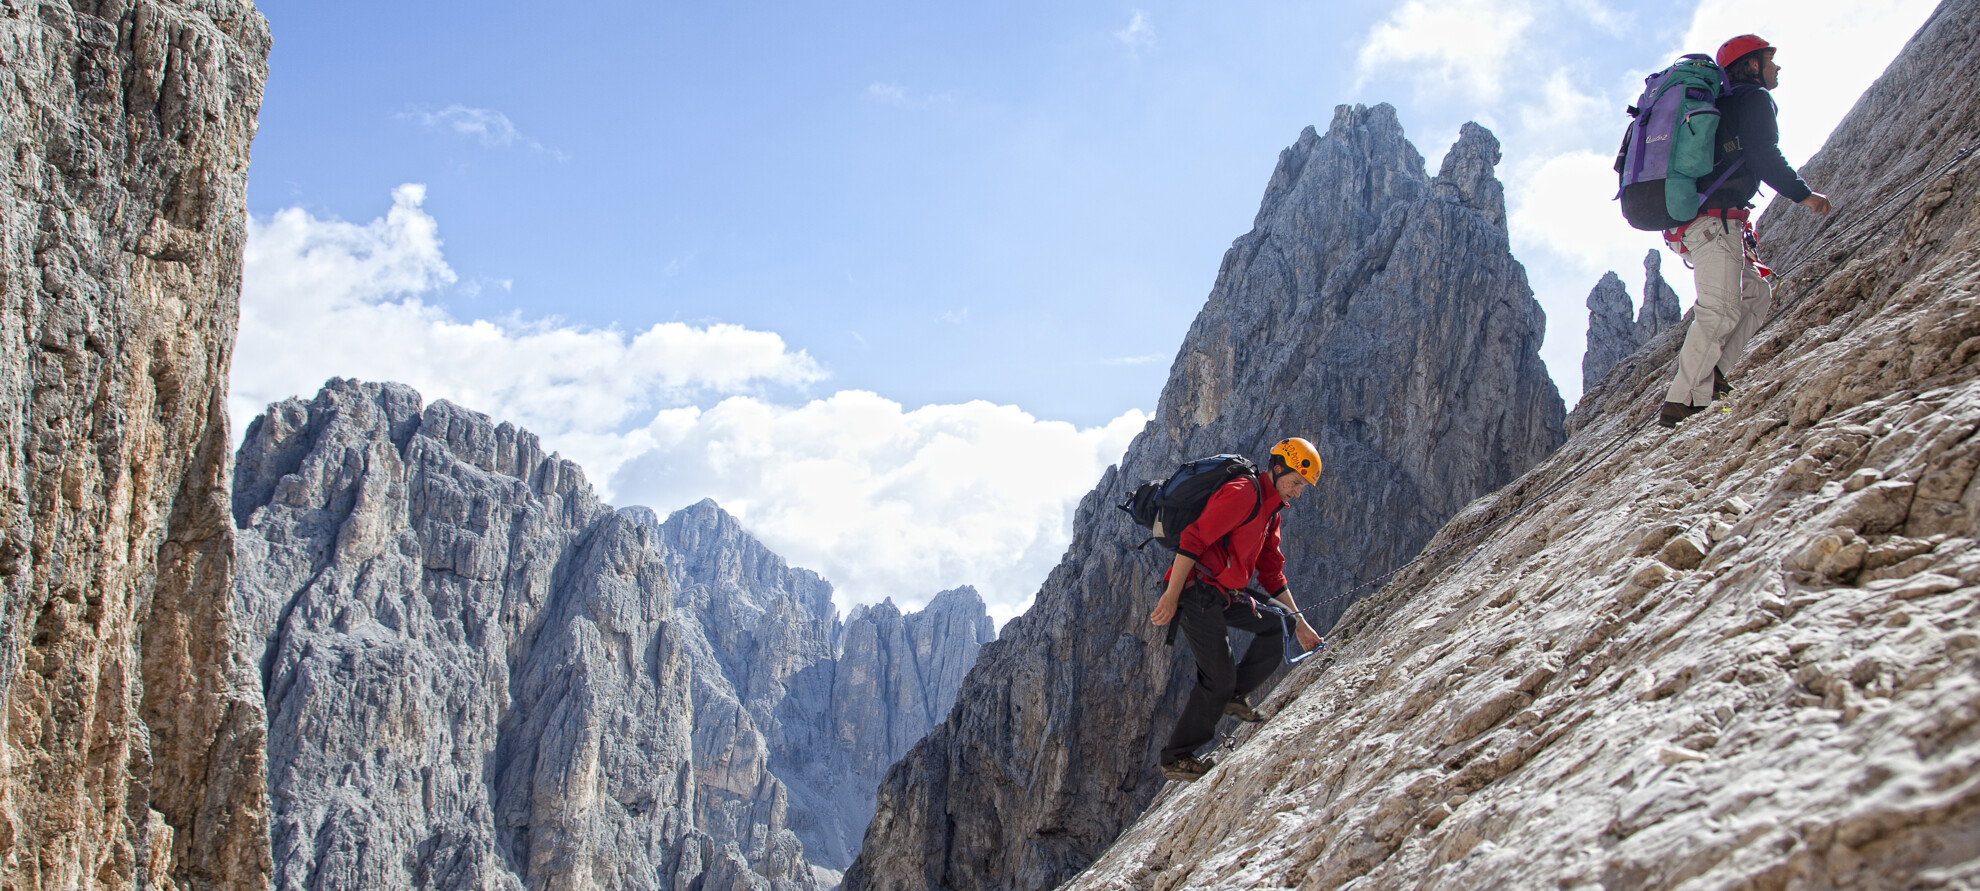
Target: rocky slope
<point x="474" y="672"/>
<point x="1373" y="309"/>
<point x="788" y="691"/>
<point x="133" y="735"/>
<point x="1612" y="334"/>
<point x="1740" y="654"/>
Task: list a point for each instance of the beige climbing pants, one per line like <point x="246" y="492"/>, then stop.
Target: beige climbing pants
<point x="1733" y="301"/>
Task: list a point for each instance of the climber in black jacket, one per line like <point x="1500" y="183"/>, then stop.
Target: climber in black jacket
<point x="1733" y="295"/>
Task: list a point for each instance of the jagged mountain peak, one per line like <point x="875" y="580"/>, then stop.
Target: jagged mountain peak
<point x="1365" y="139"/>
<point x="1388" y="324"/>
<point x="1468" y="173"/>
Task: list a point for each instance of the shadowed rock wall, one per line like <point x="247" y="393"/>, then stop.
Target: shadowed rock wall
<point x="134" y="753"/>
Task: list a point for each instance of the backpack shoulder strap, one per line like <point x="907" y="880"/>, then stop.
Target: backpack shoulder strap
<point x="1257" y="501"/>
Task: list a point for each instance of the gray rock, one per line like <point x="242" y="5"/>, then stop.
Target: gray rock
<point x="823" y="707"/>
<point x="474" y="672"/>
<point x="1372" y="309"/>
<point x="134" y="730"/>
<point x="1660" y="310"/>
<point x="1612" y="336"/>
<point x="1763" y="619"/>
<point x="1611" y="332"/>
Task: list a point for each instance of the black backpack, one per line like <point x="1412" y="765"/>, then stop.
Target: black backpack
<point x="1168" y="506"/>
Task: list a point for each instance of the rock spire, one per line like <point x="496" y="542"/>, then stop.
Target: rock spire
<point x="1612" y="335"/>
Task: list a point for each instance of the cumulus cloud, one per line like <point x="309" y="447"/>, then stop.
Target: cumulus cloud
<point x="1139" y="33"/>
<point x="1830" y="51"/>
<point x="487" y="126"/>
<point x="883" y="500"/>
<point x="1461" y="45"/>
<point x="324" y="298"/>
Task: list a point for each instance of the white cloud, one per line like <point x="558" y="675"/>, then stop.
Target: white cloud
<point x="1562" y="108"/>
<point x="1830" y="51"/>
<point x="1139" y="34"/>
<point x="1606" y="20"/>
<point x="884" y="501"/>
<point x="1461" y="45"/>
<point x="889" y="93"/>
<point x="487" y="126"/>
<point x="324" y="298"/>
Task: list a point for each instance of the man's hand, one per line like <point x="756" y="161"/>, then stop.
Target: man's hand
<point x="1308" y="638"/>
<point x="1179" y="570"/>
<point x="1817" y="202"/>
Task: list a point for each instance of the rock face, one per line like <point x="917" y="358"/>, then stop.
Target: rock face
<point x="1660" y="310"/>
<point x="1740" y="654"/>
<point x="1612" y="335"/>
<point x="479" y="676"/>
<point x="474" y="671"/>
<point x="1373" y="309"/>
<point x="134" y="754"/>
<point x="787" y="692"/>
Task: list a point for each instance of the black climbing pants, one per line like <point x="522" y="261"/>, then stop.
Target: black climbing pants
<point x="1202" y="617"/>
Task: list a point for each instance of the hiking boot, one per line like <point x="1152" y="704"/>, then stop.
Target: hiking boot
<point x="1240" y="708"/>
<point x="1719" y="386"/>
<point x="1187" y="769"/>
<point x="1673" y="412"/>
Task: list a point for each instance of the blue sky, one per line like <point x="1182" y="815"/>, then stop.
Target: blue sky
<point x="858" y="270"/>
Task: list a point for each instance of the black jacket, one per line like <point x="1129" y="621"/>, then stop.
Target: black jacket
<point x="1750" y="131"/>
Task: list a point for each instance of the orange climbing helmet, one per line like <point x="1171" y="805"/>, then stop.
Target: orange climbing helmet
<point x="1301" y="456"/>
<point x="1737" y="48"/>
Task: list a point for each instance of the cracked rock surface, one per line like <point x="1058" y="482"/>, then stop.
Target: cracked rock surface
<point x="1741" y="654"/>
<point x="475" y="675"/>
<point x="1374" y="309"/>
<point x="480" y="676"/>
<point x="1612" y="334"/>
<point x="133" y="754"/>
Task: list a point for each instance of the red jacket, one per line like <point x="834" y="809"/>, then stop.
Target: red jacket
<point x="1253" y="546"/>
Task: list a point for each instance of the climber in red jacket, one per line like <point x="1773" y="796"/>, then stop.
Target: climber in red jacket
<point x="1236" y="535"/>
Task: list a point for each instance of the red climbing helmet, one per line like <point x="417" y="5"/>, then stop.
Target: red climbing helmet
<point x="1735" y="49"/>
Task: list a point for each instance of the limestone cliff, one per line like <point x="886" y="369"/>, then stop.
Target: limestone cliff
<point x="786" y="690"/>
<point x="1740" y="654"/>
<point x="475" y="674"/>
<point x="133" y="750"/>
<point x="1612" y="335"/>
<point x="1373" y="309"/>
<point x="479" y="676"/>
